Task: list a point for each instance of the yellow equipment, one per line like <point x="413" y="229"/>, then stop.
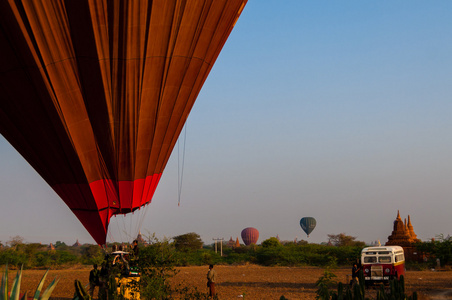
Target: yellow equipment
<point x="126" y="288"/>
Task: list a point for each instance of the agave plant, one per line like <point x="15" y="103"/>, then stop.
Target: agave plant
<point x="15" y="288"/>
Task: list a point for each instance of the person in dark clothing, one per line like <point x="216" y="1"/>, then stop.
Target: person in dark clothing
<point x="93" y="279"/>
<point x="358" y="263"/>
<point x="103" y="280"/>
<point x="355" y="273"/>
<point x="135" y="249"/>
<point x="133" y="258"/>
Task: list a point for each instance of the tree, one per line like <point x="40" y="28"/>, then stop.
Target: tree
<point x="157" y="264"/>
<point x="15" y="241"/>
<point x="30" y="251"/>
<point x="60" y="245"/>
<point x="341" y="239"/>
<point x="271" y="243"/>
<point x="188" y="241"/>
<point x="439" y="248"/>
<point x="92" y="254"/>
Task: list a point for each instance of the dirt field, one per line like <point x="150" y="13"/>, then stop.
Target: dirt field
<point x="252" y="282"/>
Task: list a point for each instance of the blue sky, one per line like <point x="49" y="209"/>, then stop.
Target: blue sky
<point x="340" y="110"/>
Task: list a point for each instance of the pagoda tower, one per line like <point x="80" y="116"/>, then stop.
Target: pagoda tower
<point x="237" y="243"/>
<point x="400" y="235"/>
<point x="140" y="239"/>
<point x="231" y="243"/>
<point x="411" y="230"/>
<point x="403" y="235"/>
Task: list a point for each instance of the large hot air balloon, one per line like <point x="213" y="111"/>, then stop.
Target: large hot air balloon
<point x="250" y="235"/>
<point x="308" y="224"/>
<point x="94" y="93"/>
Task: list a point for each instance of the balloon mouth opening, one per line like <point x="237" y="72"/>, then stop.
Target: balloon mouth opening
<point x="124" y="211"/>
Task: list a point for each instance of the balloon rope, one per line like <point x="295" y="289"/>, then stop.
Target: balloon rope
<point x="124" y="229"/>
<point x="130" y="226"/>
<point x="180" y="170"/>
<point x="119" y="230"/>
<point x="140" y="219"/>
<point x="137" y="223"/>
<point x="110" y="236"/>
<point x="143" y="215"/>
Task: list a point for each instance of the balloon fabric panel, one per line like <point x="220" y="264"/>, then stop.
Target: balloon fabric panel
<point x="94" y="94"/>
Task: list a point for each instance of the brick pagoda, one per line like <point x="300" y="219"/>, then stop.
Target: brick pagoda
<point x="403" y="235"/>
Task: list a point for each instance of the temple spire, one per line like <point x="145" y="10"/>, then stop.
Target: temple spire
<point x="403" y="233"/>
<point x="410" y="229"/>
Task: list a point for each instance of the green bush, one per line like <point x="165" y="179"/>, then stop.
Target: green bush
<point x="157" y="265"/>
<point x="439" y="248"/>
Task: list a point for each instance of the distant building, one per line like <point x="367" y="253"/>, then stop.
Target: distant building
<point x="230" y="243"/>
<point x="51" y="247"/>
<point x="403" y="235"/>
<point x="140" y="239"/>
<point x="237" y="243"/>
<point x="77" y="244"/>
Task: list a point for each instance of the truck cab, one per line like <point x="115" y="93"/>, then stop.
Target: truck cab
<point x="381" y="264"/>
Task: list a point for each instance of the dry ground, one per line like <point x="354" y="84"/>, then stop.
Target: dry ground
<point x="253" y="282"/>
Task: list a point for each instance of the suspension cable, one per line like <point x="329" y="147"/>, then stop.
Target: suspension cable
<point x="180" y="169"/>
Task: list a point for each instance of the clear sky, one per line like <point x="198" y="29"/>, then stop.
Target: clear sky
<point x="339" y="110"/>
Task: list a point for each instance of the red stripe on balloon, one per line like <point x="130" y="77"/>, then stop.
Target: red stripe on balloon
<point x="104" y="198"/>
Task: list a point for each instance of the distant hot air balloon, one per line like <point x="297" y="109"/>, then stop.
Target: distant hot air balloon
<point x="307" y="224"/>
<point x="250" y="235"/>
<point x="94" y="93"/>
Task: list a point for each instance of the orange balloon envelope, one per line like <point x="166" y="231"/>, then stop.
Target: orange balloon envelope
<point x="94" y="93"/>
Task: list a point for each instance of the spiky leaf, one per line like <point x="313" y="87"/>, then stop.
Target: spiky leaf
<point x="49" y="289"/>
<point x="40" y="285"/>
<point x="80" y="291"/>
<point x="4" y="286"/>
<point x="24" y="296"/>
<point x="15" y="288"/>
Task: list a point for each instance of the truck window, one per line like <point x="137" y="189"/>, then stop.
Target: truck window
<point x="384" y="259"/>
<point x="399" y="257"/>
<point x="370" y="259"/>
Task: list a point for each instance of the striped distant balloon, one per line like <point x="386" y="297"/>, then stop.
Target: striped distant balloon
<point x="250" y="235"/>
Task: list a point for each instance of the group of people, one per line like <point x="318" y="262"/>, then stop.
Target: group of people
<point x="100" y="277"/>
<point x="117" y="263"/>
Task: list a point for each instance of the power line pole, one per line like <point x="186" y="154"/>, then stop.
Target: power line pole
<point x="221" y="245"/>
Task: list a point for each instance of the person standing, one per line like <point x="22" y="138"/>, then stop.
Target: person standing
<point x="103" y="279"/>
<point x="355" y="274"/>
<point x="93" y="279"/>
<point x="133" y="257"/>
<point x="135" y="249"/>
<point x="211" y="274"/>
